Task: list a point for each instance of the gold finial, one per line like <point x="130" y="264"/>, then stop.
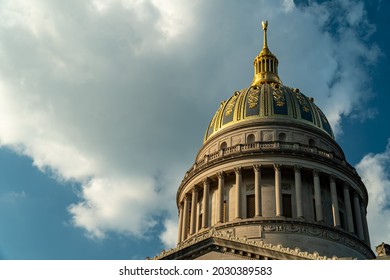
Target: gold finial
<point x="265" y="26"/>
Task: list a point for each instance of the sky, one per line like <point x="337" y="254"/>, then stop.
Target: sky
<point x="104" y="104"/>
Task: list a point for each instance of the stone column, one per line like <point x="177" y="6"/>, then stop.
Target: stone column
<point x="317" y="196"/>
<point x="335" y="203"/>
<point x="205" y="217"/>
<point x="194" y="203"/>
<point x="365" y="226"/>
<point x="186" y="210"/>
<point x="257" y="170"/>
<point x="298" y="190"/>
<point x="238" y="171"/>
<point x="221" y="185"/>
<point x="348" y="208"/>
<point x="179" y="239"/>
<point x="278" y="191"/>
<point x="358" y="216"/>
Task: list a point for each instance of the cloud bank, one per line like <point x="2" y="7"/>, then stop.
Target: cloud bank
<point x="374" y="170"/>
<point x="115" y="95"/>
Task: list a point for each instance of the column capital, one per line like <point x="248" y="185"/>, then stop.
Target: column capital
<point x="221" y="175"/>
<point x="332" y="178"/>
<point x="316" y="172"/>
<point x="187" y="197"/>
<point x="206" y="181"/>
<point x="257" y="167"/>
<point x="345" y="185"/>
<point x="195" y="189"/>
<point x="238" y="170"/>
<point x="180" y="206"/>
<point x="277" y="166"/>
<point x="297" y="168"/>
<point x="355" y="194"/>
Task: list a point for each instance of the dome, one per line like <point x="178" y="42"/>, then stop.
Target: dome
<point x="268" y="102"/>
<point x="269" y="177"/>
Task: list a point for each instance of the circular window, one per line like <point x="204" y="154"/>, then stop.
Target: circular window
<point x="282" y="136"/>
<point x="312" y="142"/>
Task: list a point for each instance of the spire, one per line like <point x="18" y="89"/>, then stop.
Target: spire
<point x="265" y="26"/>
<point x="265" y="63"/>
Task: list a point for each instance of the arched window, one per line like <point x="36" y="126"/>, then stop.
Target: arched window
<point x="223" y="145"/>
<point x="282" y="136"/>
<point x="250" y="139"/>
<point x="312" y="142"/>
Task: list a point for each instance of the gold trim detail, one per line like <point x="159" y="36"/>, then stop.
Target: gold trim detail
<point x="230" y="105"/>
<point x="278" y="95"/>
<point x="253" y="98"/>
<point x="302" y="101"/>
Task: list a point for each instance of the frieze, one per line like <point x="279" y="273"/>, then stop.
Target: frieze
<point x="320" y="233"/>
<point x="229" y="235"/>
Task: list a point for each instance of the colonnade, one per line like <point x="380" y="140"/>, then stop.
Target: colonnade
<point x="355" y="210"/>
<point x="266" y="65"/>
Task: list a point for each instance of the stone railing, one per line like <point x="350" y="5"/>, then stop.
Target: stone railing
<point x="264" y="147"/>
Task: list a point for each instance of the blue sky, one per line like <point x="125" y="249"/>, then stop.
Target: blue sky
<point x="103" y="107"/>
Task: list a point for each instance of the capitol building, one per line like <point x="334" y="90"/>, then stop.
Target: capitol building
<point x="270" y="181"/>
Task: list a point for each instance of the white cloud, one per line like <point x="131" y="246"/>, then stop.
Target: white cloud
<point x="169" y="235"/>
<point x="116" y="94"/>
<point x="374" y="170"/>
<point x="325" y="53"/>
<point x="109" y="204"/>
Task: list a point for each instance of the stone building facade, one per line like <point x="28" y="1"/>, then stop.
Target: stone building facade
<point x="270" y="181"/>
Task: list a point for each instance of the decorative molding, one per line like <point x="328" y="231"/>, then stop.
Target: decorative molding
<point x="220" y="175"/>
<point x="230" y="236"/>
<point x="257" y="168"/>
<point x="238" y="170"/>
<point x="297" y="168"/>
<point x="264" y="148"/>
<point x="277" y="166"/>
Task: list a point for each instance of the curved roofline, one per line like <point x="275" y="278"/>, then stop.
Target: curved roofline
<point x="268" y="101"/>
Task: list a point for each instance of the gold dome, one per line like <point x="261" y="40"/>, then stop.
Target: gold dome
<point x="268" y="100"/>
